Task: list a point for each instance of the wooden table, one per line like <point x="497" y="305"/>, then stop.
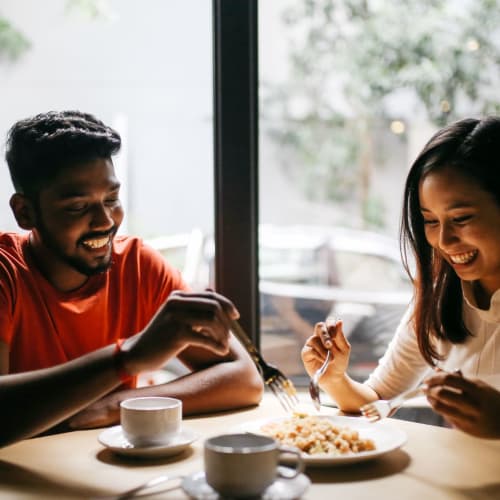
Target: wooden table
<point x="435" y="463"/>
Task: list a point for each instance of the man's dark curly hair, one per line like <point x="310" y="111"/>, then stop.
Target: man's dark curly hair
<point x="38" y="148"/>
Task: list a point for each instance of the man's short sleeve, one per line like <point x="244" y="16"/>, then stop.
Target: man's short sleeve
<point x="7" y="300"/>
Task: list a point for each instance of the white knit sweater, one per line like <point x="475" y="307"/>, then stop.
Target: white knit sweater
<point x="403" y="367"/>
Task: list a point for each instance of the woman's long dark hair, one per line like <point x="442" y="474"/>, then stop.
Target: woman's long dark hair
<point x="472" y="147"/>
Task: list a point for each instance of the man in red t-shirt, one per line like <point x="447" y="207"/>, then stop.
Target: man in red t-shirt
<point x="82" y="311"/>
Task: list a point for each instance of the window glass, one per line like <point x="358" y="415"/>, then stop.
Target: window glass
<point x="349" y="93"/>
<point x="144" y="68"/>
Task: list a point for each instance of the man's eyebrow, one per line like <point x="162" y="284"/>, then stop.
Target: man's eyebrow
<point x="79" y="192"/>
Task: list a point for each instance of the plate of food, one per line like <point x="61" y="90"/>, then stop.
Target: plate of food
<point x="330" y="440"/>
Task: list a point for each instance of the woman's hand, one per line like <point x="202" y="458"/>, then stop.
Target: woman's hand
<point x="328" y="336"/>
<point x="469" y="405"/>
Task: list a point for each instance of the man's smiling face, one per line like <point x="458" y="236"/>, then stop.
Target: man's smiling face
<point x="77" y="216"/>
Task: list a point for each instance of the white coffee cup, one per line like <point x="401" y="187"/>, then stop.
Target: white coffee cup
<point x="244" y="465"/>
<point x="150" y="421"/>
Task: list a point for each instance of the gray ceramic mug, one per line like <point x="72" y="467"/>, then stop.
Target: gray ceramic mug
<point x="244" y="465"/>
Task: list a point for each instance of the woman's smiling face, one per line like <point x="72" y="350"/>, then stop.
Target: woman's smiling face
<point x="462" y="222"/>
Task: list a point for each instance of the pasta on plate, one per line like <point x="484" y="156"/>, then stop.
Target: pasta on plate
<point x="315" y="435"/>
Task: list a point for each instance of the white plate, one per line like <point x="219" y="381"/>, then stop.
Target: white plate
<point x="114" y="439"/>
<point x="282" y="489"/>
<point x="386" y="438"/>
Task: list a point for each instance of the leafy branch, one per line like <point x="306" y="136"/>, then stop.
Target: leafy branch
<point x="356" y="65"/>
<point x="12" y="42"/>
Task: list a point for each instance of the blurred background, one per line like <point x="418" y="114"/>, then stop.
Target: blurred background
<point x="350" y="91"/>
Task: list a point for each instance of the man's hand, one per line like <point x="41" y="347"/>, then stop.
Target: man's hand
<point x="102" y="413"/>
<point x="185" y="319"/>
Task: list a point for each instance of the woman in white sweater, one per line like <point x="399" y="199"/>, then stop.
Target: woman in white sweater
<point x="450" y="336"/>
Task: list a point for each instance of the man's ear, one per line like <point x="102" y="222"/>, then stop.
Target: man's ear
<point x="23" y="211"/>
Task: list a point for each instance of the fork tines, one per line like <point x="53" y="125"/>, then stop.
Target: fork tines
<point x="284" y="390"/>
<point x="281" y="386"/>
<point x="382" y="408"/>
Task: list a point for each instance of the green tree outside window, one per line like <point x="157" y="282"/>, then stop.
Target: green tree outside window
<point x="350" y="59"/>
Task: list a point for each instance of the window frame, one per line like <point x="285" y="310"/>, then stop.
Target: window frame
<point x="235" y="60"/>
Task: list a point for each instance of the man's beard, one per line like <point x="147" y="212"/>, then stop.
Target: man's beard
<point x="74" y="262"/>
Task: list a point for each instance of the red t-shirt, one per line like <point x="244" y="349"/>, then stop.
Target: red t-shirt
<point x="45" y="327"/>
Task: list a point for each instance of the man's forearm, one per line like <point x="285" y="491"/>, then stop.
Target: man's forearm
<point x="35" y="401"/>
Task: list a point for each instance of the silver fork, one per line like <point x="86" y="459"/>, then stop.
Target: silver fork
<point x="382" y="408"/>
<point x="314" y="390"/>
<point x="279" y="384"/>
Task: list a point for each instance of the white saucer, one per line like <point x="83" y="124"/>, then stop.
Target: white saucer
<point x="282" y="489"/>
<point x="114" y="439"/>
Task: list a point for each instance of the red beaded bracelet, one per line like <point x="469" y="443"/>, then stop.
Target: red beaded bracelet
<point x="123" y="374"/>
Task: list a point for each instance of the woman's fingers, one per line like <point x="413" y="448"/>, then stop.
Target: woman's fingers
<point x="321" y="333"/>
<point x="450" y="402"/>
<point x="331" y="337"/>
<point x="328" y="336"/>
<point x="310" y="357"/>
<point x="315" y="347"/>
<point x="340" y="340"/>
<point x="452" y="385"/>
<point x="453" y="396"/>
<point x="327" y="331"/>
<point x="468" y="404"/>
